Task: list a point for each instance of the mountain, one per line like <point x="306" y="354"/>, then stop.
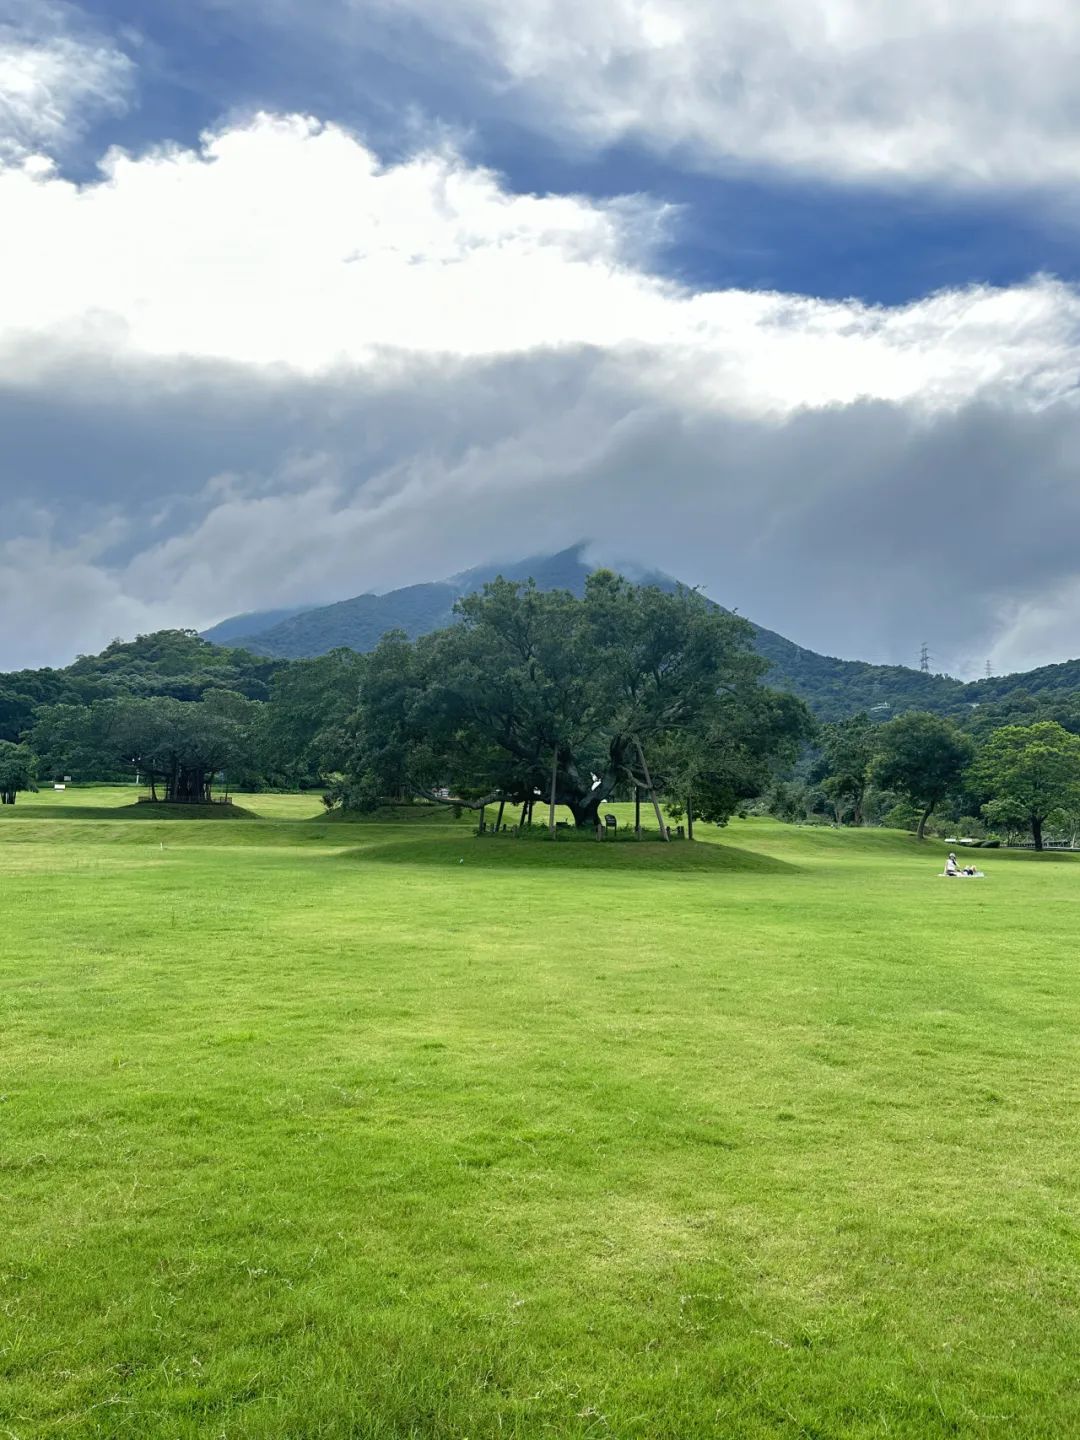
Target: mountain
<point x="253" y="623"/>
<point x="832" y="687"/>
<point x="359" y="623"/>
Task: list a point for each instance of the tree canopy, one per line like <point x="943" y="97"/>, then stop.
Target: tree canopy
<point x="922" y="757"/>
<point x="17" y="769"/>
<point x="311" y="702"/>
<point x="179" y="745"/>
<point x="848" y="748"/>
<point x="1027" y="772"/>
<point x="540" y="694"/>
<point x="173" y="663"/>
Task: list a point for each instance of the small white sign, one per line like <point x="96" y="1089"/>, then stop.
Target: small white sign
<point x="59" y="787"/>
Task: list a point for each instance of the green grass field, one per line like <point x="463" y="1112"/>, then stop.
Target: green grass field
<point x="379" y="1130"/>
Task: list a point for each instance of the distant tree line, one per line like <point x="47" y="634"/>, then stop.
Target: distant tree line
<point x="1016" y="779"/>
<point x="538" y="698"/>
<point x="530" y="697"/>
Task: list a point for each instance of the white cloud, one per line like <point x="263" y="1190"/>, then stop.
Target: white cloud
<point x="957" y="92"/>
<point x="297" y="374"/>
<point x="283" y="242"/>
<point x="54" y="78"/>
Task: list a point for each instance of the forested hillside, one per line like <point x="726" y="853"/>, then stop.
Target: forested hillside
<point x="181" y="665"/>
<point x="832" y="687"/>
<point x="176" y="664"/>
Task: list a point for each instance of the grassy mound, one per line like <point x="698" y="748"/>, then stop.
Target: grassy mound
<point x="416" y="814"/>
<point x="506" y="853"/>
<point x="175" y="810"/>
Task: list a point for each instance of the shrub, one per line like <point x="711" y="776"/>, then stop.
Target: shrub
<point x="902" y="816"/>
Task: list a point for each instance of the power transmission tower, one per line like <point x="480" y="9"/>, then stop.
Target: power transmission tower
<point x="989" y="672"/>
<point x="924" y="659"/>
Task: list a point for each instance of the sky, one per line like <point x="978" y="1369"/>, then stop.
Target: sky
<point x="305" y="298"/>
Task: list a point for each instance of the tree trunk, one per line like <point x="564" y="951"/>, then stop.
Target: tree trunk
<point x="498" y="818"/>
<point x="1036" y="831"/>
<point x="186" y="786"/>
<point x="920" y="834"/>
<point x="689" y="817"/>
<point x="586" y="812"/>
<point x="637" y="811"/>
<point x="554" y="774"/>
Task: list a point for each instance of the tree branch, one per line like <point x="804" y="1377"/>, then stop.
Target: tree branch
<point x="424" y="794"/>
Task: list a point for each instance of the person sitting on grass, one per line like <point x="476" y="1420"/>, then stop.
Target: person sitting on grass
<point x="952" y="868"/>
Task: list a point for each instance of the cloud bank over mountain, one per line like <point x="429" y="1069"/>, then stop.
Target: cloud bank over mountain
<point x="277" y="368"/>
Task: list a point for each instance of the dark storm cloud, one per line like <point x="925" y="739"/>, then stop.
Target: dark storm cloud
<point x="180" y="493"/>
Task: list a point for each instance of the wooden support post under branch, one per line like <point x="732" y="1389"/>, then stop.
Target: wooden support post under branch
<point x="554" y="773"/>
<point x="652" y="793"/>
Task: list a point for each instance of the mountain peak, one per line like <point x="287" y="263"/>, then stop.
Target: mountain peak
<point x="358" y="623"/>
<point x="570" y="559"/>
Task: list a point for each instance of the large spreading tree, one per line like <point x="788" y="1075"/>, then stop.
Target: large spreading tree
<point x="177" y="746"/>
<point x="1026" y="773"/>
<point x="540" y="695"/>
<point x="922" y="757"/>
